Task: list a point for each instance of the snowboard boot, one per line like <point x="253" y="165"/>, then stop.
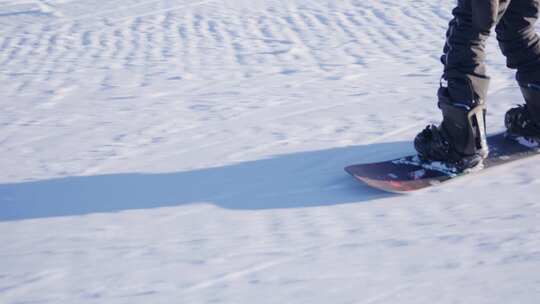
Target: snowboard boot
<point x="460" y="141"/>
<point x="523" y="122"/>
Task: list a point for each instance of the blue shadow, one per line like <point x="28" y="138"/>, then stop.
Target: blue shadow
<point x="306" y="179"/>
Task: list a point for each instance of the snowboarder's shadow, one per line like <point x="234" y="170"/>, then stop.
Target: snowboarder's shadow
<point x="306" y="179"/>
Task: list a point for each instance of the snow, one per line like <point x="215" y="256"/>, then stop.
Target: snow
<point x="176" y="151"/>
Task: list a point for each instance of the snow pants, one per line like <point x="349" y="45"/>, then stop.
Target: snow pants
<point x="464" y="51"/>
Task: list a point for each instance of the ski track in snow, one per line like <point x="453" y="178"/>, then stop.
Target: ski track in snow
<point x="192" y="151"/>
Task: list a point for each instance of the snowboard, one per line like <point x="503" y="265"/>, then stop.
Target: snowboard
<point x="409" y="173"/>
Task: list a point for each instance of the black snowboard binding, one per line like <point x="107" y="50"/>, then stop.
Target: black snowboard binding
<point x="460" y="141"/>
<point x="523" y="121"/>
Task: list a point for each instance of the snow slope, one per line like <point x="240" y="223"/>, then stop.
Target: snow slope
<point x="178" y="151"/>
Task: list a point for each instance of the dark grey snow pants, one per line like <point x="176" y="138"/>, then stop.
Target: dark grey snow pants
<point x="464" y="52"/>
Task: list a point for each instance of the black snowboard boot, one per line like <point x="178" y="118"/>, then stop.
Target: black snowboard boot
<point x="523" y="121"/>
<point x="460" y="141"/>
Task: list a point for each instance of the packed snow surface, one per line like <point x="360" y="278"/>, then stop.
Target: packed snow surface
<point x="176" y="151"/>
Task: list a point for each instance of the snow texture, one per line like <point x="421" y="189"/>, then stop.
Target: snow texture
<point x="175" y="151"/>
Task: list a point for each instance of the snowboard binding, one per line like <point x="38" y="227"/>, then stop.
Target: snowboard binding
<point x="523" y="122"/>
<point x="460" y="141"/>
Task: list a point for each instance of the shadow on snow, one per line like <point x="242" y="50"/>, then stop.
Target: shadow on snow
<point x="306" y="179"/>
